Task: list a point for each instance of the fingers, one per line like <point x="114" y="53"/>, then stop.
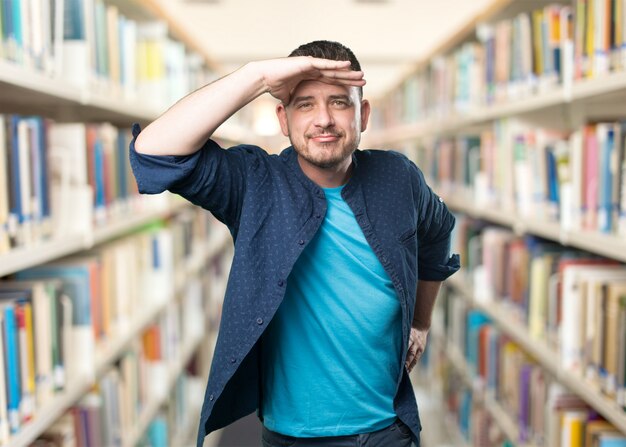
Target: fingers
<point x="333" y="71"/>
<point x="327" y="64"/>
<point x="411" y="356"/>
<point x="348" y="78"/>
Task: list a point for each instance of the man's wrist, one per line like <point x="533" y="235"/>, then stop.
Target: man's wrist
<point x="420" y="325"/>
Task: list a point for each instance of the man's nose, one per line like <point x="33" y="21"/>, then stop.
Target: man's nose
<point x="324" y="117"/>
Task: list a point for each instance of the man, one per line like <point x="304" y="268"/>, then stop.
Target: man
<point x="324" y="315"/>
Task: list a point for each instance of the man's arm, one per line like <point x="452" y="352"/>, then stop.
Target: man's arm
<point x="424" y="304"/>
<point x="188" y="124"/>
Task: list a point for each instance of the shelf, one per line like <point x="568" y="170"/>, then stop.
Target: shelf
<point x="539" y="350"/>
<point x="48" y="414"/>
<point x="186" y="435"/>
<point x="55" y="248"/>
<point x="43" y="251"/>
<point x="610" y="87"/>
<point x="107" y="352"/>
<point x="493" y="407"/>
<point x="24" y="90"/>
<point x="122" y="226"/>
<point x="166" y="11"/>
<point x="151" y="409"/>
<point x="611" y="246"/>
<point x="502" y="419"/>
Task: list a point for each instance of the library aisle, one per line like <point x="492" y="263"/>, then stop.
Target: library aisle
<point x="111" y="300"/>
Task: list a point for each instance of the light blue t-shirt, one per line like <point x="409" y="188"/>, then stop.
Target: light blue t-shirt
<point x="331" y="355"/>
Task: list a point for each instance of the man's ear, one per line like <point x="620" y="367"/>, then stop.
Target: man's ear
<point x="366" y="108"/>
<point x="281" y="113"/>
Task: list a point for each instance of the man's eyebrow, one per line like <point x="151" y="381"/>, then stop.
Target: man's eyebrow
<point x="301" y="98"/>
<point x="344" y="97"/>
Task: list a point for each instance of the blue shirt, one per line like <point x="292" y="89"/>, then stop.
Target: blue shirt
<point x="331" y="354"/>
<point x="272" y="210"/>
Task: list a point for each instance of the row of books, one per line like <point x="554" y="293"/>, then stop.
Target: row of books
<point x="108" y="414"/>
<point x="497" y="376"/>
<point x="572" y="301"/>
<point x="29" y="31"/>
<point x="512" y="58"/>
<point x="577" y="180"/>
<point x="60" y="178"/>
<point x="54" y="316"/>
<point x="60" y="320"/>
<point x="95" y="46"/>
<point x="147" y="373"/>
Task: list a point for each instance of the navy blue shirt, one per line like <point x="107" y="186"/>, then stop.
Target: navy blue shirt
<point x="273" y="210"/>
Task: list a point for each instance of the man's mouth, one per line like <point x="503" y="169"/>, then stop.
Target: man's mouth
<point x="325" y="138"/>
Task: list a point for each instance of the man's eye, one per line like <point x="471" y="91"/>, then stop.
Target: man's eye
<point x="340" y="103"/>
<point x="304" y="105"/>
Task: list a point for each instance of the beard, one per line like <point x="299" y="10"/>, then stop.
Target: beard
<point x="325" y="155"/>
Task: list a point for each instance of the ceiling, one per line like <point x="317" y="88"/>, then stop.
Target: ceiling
<point x="387" y="36"/>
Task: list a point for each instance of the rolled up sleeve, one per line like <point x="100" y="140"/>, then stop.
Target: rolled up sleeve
<point x="434" y="232"/>
<point x="212" y="177"/>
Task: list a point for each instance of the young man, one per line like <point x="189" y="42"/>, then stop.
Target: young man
<point x="324" y="315"/>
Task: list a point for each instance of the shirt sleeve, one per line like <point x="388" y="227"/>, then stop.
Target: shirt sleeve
<point x="212" y="177"/>
<point x="434" y="233"/>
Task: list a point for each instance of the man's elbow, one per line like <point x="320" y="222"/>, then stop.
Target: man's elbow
<point x="141" y="145"/>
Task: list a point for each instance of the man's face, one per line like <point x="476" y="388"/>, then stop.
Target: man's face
<point x="324" y="122"/>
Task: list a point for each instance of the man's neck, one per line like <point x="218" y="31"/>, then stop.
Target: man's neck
<point x="327" y="177"/>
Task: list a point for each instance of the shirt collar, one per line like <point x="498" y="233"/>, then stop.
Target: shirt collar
<point x="290" y="156"/>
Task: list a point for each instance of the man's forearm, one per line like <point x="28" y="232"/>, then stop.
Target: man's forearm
<point x="424" y="303"/>
<point x="186" y="126"/>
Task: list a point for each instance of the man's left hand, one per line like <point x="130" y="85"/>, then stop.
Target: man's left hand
<point x="417" y="344"/>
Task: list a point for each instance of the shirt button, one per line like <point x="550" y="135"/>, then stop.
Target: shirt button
<point x="301" y="242"/>
<point x="259" y="321"/>
<point x="233" y="360"/>
<point x="281" y="283"/>
<point x="440" y="199"/>
<point x="211" y="397"/>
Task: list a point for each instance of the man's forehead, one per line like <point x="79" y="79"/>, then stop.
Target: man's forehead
<point x="312" y="88"/>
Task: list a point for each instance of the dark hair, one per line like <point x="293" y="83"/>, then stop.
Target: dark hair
<point x="327" y="49"/>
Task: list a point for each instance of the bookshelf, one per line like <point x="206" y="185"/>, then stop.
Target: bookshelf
<point x="43" y="251"/>
<point x="58" y="77"/>
<point x="456" y="115"/>
<point x="490" y="404"/>
<point x="542" y="353"/>
<point x="585" y="94"/>
<point x="108" y="353"/>
<point x="150" y="410"/>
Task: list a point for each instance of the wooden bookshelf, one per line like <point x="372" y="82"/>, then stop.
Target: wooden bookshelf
<point x="109" y="351"/>
<point x="609" y="90"/>
<point x="608" y="245"/>
<point x="55" y="248"/>
<point x="24" y="91"/>
<point x="541" y="352"/>
<point x="562" y="106"/>
<point x="152" y="407"/>
<point x="500" y="416"/>
<point x="46" y="93"/>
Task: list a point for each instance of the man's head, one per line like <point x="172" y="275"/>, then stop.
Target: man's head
<point x="334" y="51"/>
<point x="324" y="120"/>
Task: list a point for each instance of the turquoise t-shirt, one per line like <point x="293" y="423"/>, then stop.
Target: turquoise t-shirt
<point x="331" y="354"/>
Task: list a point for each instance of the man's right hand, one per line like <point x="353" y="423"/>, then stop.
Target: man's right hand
<point x="186" y="126"/>
<point x="281" y="76"/>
